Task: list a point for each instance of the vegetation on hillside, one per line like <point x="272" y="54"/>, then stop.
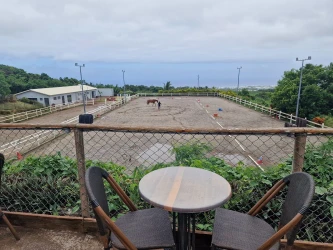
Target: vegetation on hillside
<point x="14" y="80"/>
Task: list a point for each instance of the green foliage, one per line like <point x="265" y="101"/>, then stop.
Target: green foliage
<point x="49" y="184"/>
<point x="14" y="80"/>
<point x="17" y="107"/>
<point x="329" y="121"/>
<point x="168" y="86"/>
<point x="228" y="92"/>
<point x="316" y="93"/>
<point x="186" y="153"/>
<point x="4" y="87"/>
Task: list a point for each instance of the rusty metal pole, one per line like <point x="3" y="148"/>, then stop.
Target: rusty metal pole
<point x="299" y="152"/>
<point x="81" y="168"/>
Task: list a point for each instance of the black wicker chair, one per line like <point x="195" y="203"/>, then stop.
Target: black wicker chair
<point x="2" y="215"/>
<point x="234" y="230"/>
<point x="138" y="229"/>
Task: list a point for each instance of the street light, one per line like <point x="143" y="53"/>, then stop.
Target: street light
<point x="124" y="84"/>
<point x="300" y="83"/>
<point x="198" y="81"/>
<point x="84" y="104"/>
<point x="238" y="77"/>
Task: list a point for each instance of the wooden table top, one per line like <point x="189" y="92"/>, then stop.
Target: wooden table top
<point x="184" y="189"/>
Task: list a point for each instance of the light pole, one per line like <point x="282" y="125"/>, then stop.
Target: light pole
<point x="124" y="84"/>
<point x="300" y="83"/>
<point x="238" y="77"/>
<point x="198" y="81"/>
<point x="84" y="103"/>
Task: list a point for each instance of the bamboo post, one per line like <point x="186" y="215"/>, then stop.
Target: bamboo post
<point x="299" y="151"/>
<point x="81" y="167"/>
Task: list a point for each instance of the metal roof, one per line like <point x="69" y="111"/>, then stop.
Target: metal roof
<point x="60" y="90"/>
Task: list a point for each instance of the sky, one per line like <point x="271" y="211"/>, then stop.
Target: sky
<point x="158" y="41"/>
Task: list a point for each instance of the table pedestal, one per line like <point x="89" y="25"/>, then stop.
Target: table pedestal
<point x="186" y="236"/>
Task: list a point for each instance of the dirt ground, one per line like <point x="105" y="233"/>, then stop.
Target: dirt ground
<point x="186" y="112"/>
<point x="135" y="149"/>
<point x="42" y="239"/>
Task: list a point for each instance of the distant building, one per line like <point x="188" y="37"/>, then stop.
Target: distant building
<point x="49" y="96"/>
<point x="105" y="92"/>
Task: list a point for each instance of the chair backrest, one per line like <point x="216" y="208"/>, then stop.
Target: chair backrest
<point x="299" y="196"/>
<point x="96" y="192"/>
<point x="2" y="163"/>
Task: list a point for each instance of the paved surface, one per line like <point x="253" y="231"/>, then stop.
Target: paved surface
<point x="42" y="239"/>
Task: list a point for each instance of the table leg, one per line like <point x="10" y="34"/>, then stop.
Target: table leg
<point x="186" y="236"/>
<point x="193" y="231"/>
<point x="174" y="224"/>
<point x="182" y="231"/>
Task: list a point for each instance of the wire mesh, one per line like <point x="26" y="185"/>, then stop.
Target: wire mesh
<point x="41" y="171"/>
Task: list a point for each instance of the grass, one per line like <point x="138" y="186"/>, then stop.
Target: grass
<point x="16" y="107"/>
<point x="329" y="121"/>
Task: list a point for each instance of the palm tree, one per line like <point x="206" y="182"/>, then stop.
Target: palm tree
<point x="167" y="85"/>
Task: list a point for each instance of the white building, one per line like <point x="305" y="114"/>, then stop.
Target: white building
<point x="49" y="96"/>
<point x="105" y="92"/>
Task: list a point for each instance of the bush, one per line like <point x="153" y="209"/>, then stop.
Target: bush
<point x="26" y="100"/>
<point x="5" y="112"/>
<point x="49" y="185"/>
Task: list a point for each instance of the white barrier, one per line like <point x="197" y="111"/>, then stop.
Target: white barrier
<point x="36" y="139"/>
<point x="18" y="117"/>
<point x="272" y="112"/>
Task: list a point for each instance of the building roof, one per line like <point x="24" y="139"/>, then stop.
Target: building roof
<point x="60" y="90"/>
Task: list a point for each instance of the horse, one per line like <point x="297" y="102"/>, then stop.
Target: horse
<point x="153" y="101"/>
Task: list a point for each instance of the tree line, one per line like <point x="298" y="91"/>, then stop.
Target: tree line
<point x="14" y="80"/>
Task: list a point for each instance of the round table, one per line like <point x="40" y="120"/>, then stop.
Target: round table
<point x="185" y="190"/>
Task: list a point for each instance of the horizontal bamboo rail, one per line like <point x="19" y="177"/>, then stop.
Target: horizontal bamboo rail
<point x="87" y="127"/>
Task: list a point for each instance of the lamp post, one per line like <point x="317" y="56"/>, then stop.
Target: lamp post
<point x="300" y="82"/>
<point x="124" y="84"/>
<point x="84" y="104"/>
<point x="238" y="77"/>
<point x="198" y="81"/>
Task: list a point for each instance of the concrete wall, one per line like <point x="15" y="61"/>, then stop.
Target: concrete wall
<point x="33" y="95"/>
<point x="105" y="92"/>
<point x="56" y="99"/>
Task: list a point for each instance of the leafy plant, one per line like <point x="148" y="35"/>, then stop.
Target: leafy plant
<point x="49" y="184"/>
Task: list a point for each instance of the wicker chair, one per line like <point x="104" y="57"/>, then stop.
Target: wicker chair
<point x="138" y="229"/>
<point x="234" y="230"/>
<point x="2" y="215"/>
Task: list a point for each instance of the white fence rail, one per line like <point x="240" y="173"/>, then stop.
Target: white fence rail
<point x="18" y="117"/>
<point x="34" y="140"/>
<point x="276" y="113"/>
<point x="272" y="112"/>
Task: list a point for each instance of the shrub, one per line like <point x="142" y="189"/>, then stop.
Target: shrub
<point x="49" y="184"/>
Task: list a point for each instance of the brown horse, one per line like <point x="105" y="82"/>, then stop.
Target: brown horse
<point x="153" y="101"/>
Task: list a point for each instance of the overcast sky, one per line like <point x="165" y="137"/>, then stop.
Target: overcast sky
<point x="155" y="41"/>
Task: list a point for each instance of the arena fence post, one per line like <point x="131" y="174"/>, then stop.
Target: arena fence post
<point x="81" y="168"/>
<point x="299" y="151"/>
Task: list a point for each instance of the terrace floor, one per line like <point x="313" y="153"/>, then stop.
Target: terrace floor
<point x="43" y="239"/>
